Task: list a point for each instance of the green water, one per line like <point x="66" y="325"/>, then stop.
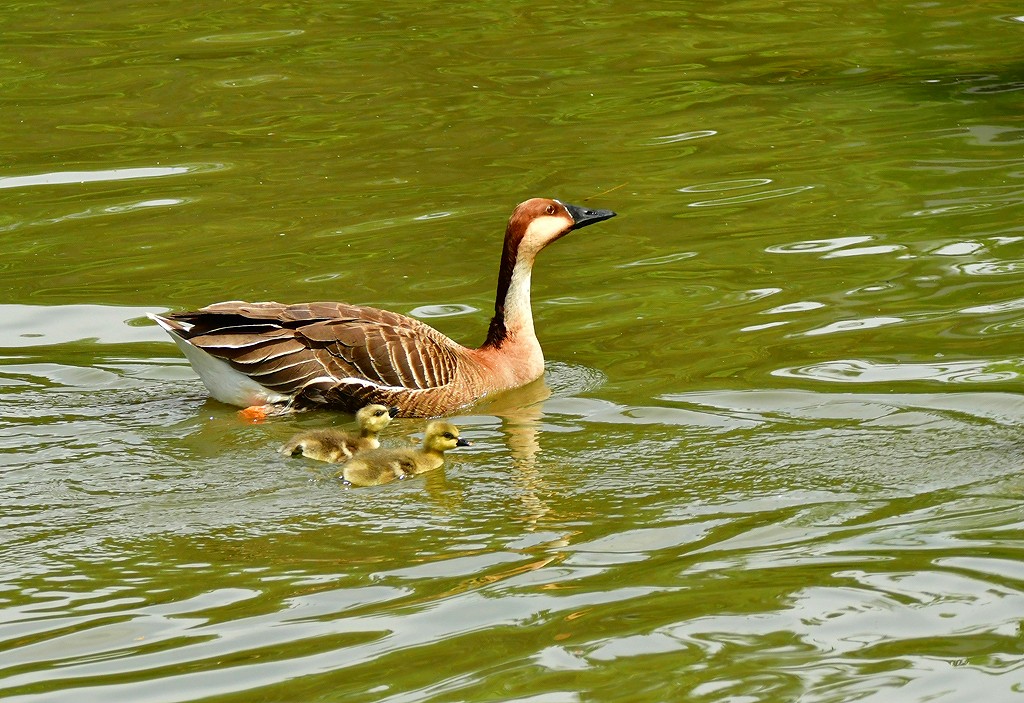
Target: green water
<point x="777" y="455"/>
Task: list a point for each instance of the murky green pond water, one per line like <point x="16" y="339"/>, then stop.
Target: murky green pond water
<point x="778" y="454"/>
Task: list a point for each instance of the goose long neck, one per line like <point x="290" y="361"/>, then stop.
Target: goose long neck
<point x="513" y="317"/>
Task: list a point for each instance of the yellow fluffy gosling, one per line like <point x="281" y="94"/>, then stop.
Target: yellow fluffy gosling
<point x="335" y="446"/>
<point x="378" y="466"/>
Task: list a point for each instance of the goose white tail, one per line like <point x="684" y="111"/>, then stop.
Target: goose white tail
<point x="223" y="382"/>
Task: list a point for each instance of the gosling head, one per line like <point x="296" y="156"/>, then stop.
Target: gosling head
<point x="539" y="221"/>
<point x="374" y="418"/>
<point x="441" y="436"/>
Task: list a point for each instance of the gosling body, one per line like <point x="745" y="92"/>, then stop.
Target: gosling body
<point x="335" y="446"/>
<point x="380" y="466"/>
<point x="345" y="356"/>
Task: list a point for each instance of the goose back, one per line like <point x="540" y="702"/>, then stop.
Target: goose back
<point x="338" y="354"/>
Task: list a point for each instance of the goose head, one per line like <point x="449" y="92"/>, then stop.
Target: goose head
<point x="374" y="418"/>
<point x="537" y="222"/>
<point x="534" y="224"/>
<point x="440" y="436"/>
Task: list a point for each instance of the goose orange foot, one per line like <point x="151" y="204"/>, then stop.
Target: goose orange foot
<point x="259" y="413"/>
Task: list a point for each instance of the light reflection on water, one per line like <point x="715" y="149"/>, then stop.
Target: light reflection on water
<point x="114" y="174"/>
<point x="861" y="371"/>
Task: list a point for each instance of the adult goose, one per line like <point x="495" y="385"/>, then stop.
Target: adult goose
<point x="266" y="355"/>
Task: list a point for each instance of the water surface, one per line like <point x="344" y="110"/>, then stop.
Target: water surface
<point x="776" y="455"/>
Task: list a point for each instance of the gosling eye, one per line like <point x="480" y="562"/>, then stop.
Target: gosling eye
<point x="448" y="435"/>
<point x="379" y="413"/>
<point x="550" y="209"/>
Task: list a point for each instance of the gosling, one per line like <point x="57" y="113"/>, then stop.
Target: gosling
<point x="379" y="466"/>
<point x="336" y="446"/>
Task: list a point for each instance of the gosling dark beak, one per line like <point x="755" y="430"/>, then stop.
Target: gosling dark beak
<point x="582" y="216"/>
<point x="393" y="412"/>
<point x="463" y="442"/>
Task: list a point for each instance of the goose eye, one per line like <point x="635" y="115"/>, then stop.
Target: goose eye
<point x="550" y="209"/>
<point x="379" y="413"/>
<point x="448" y="435"/>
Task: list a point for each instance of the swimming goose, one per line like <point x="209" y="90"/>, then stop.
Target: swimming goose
<point x="335" y="446"/>
<point x="345" y="356"/>
<point x="378" y="466"/>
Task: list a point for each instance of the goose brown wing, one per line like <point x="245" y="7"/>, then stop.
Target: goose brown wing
<point x="287" y="347"/>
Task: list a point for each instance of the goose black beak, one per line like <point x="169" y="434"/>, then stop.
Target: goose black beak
<point x="582" y="216"/>
<point x="463" y="442"/>
<point x="393" y="412"/>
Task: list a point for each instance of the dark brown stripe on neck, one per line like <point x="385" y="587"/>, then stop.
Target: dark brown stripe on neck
<point x="497" y="333"/>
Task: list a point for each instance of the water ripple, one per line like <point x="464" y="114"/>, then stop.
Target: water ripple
<point x="991" y="268"/>
<point x="1005" y="306"/>
<point x="864" y="371"/>
<point x="854" y="325"/>
<point x="247" y="37"/>
<point x="445" y="310"/>
<point x="719" y="186"/>
<point x="659" y="260"/>
<point x="114" y="174"/>
<point x="751" y="197"/>
<point x="685" y="136"/>
<point x="864" y="251"/>
<point x="800" y="306"/>
<point x="959" y="249"/>
<point x="949" y="209"/>
<point x="817" y="246"/>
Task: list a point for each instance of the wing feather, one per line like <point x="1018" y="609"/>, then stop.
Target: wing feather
<point x="331" y="348"/>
